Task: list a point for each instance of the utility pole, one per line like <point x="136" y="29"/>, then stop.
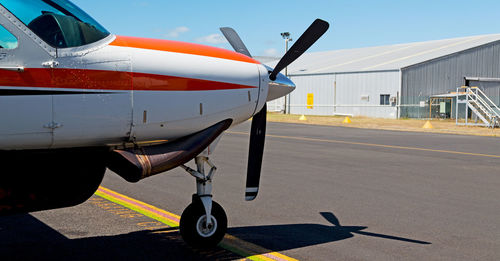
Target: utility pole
<point x="287" y="38"/>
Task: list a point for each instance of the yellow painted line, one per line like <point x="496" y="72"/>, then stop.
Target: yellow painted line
<point x="247" y="247"/>
<point x="155" y="213"/>
<point x="372" y="145"/>
<point x="231" y="243"/>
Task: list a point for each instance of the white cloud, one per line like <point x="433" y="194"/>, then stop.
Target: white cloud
<point x="177" y="31"/>
<point x="271" y="52"/>
<point x="8" y="45"/>
<point x="212" y="39"/>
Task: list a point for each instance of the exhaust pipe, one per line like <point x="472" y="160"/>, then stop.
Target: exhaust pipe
<point x="135" y="164"/>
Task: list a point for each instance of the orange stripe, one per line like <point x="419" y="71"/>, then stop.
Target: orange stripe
<point x="108" y="80"/>
<point x="180" y="47"/>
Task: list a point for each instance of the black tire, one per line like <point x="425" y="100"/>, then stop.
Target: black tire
<point x="193" y="216"/>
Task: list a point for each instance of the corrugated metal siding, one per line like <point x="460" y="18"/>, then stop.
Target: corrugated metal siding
<point x="491" y="89"/>
<point x="277" y="105"/>
<point x="351" y="87"/>
<point x="444" y="75"/>
<point x="319" y="85"/>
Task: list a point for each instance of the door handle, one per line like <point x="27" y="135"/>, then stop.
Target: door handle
<point x="13" y="68"/>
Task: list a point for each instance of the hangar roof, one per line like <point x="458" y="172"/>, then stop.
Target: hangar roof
<point x="381" y="58"/>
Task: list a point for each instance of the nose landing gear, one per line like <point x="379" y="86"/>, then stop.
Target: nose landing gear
<point x="196" y="231"/>
<point x="203" y="223"/>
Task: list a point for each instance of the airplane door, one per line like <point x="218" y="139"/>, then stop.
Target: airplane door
<point x="25" y="100"/>
<point x="96" y="106"/>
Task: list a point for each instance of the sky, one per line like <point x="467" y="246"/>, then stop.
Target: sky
<point x="353" y="24"/>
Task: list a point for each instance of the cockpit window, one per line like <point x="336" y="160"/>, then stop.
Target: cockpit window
<point x="60" y="23"/>
<point x="7" y="40"/>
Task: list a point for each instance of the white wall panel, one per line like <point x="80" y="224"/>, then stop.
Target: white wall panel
<point x="350" y="95"/>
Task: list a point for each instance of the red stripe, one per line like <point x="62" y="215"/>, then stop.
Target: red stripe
<point x="180" y="47"/>
<point x="108" y="80"/>
<point x="152" y="82"/>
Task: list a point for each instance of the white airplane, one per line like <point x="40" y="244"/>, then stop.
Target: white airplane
<point x="76" y="99"/>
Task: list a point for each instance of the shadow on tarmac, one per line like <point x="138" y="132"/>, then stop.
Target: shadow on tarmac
<point x="285" y="237"/>
<point x="24" y="237"/>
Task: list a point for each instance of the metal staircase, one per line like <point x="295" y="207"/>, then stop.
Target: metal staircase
<point x="482" y="107"/>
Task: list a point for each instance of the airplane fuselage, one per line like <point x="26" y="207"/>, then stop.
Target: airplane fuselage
<point x="124" y="89"/>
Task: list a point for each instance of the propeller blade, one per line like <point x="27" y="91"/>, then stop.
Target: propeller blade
<point x="306" y="40"/>
<point x="255" y="153"/>
<point x="234" y="39"/>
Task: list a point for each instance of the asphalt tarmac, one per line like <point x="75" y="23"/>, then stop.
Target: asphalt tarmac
<point x="327" y="193"/>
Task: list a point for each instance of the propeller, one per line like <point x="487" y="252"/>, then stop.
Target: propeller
<point x="234" y="39"/>
<point x="255" y="153"/>
<point x="306" y="40"/>
<point x="258" y="129"/>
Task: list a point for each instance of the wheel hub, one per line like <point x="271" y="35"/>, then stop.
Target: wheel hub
<point x="205" y="230"/>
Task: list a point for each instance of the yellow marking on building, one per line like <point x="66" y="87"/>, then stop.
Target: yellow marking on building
<point x="372" y="145"/>
<point x="310" y="100"/>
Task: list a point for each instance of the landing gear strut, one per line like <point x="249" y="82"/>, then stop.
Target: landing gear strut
<point x="203" y="223"/>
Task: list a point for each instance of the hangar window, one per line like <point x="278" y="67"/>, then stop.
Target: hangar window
<point x="7" y="40"/>
<point x="384" y="99"/>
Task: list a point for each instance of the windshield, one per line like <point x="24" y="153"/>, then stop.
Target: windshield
<point x="60" y="23"/>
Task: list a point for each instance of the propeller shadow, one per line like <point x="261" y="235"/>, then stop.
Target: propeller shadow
<point x="286" y="237"/>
